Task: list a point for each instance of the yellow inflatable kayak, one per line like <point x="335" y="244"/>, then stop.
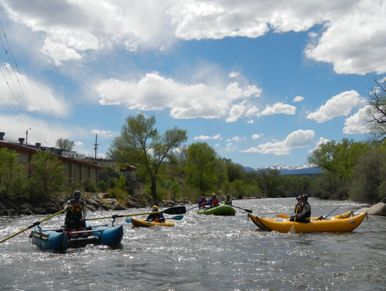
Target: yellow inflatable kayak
<point x="327" y="225"/>
<point x="339" y="216"/>
<point x="145" y="223"/>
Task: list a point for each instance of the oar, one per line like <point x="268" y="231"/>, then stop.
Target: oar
<point x="247" y="210"/>
<point x="177" y="217"/>
<point x="292" y="229"/>
<point x="193" y="208"/>
<point x="31" y="226"/>
<point x="171" y="210"/>
<point x="324" y="217"/>
<point x="283" y="215"/>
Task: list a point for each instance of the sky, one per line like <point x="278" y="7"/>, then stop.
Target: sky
<point x="262" y="82"/>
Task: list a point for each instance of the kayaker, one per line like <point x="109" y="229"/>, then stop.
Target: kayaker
<point x="213" y="201"/>
<point x="305" y="210"/>
<point x="228" y="200"/>
<point x="157" y="217"/>
<point x="298" y="207"/>
<point x="201" y="202"/>
<point x="76" y="212"/>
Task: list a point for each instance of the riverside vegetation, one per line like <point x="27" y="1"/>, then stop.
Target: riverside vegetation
<point x="169" y="171"/>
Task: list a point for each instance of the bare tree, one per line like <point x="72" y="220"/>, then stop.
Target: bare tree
<point x="377" y="110"/>
<point x="65" y="144"/>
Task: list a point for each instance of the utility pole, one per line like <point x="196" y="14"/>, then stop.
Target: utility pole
<point x="26" y="135"/>
<point x="96" y="145"/>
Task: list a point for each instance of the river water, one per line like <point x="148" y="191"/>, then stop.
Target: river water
<point x="205" y="253"/>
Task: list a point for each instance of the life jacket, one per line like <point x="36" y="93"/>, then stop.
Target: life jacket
<point x="298" y="207"/>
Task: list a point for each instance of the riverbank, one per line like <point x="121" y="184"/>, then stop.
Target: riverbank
<point x="94" y="202"/>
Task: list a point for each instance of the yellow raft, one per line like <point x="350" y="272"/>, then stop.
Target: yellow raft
<point x="339" y="216"/>
<point x="328" y="225"/>
<point x="145" y="223"/>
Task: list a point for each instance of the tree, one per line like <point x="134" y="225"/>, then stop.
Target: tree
<point x="47" y="174"/>
<point x="377" y="110"/>
<point x="13" y="176"/>
<point x="140" y="142"/>
<point x="201" y="167"/>
<point x="65" y="144"/>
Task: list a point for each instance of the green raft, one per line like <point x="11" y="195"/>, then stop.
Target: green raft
<point x="222" y="209"/>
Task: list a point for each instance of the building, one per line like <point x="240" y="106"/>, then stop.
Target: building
<point x="77" y="169"/>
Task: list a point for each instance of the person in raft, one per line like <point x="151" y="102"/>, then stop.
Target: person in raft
<point x="213" y="201"/>
<point x="201" y="202"/>
<point x="76" y="212"/>
<point x="157" y="216"/>
<point x="305" y="210"/>
<point x="228" y="200"/>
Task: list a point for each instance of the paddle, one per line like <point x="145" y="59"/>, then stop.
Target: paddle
<point x="324" y="217"/>
<point x="193" y="208"/>
<point x="247" y="210"/>
<point x="177" y="217"/>
<point x="32" y="225"/>
<point x="171" y="210"/>
<point x="292" y="229"/>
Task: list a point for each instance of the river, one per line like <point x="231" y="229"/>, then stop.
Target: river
<point x="205" y="253"/>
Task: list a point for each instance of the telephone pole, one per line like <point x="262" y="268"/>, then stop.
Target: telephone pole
<point x="96" y="145"/>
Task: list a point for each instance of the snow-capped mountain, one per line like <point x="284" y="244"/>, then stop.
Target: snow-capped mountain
<point x="306" y="169"/>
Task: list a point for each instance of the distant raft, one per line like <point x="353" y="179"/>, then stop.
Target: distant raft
<point x="324" y="225"/>
<point x="223" y="209"/>
<point x="60" y="240"/>
<point x="145" y="223"/>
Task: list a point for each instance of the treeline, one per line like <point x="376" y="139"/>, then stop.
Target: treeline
<point x="352" y="170"/>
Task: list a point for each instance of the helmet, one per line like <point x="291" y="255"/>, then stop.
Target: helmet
<point x="77" y="194"/>
<point x="155" y="208"/>
<point x="214" y="194"/>
<point x="305" y="197"/>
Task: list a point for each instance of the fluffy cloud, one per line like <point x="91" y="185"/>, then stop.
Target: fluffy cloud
<point x="279" y="108"/>
<point x="256" y="136"/>
<point x="338" y="105"/>
<point x="349" y="41"/>
<point x="103" y="133"/>
<point x="206" y="137"/>
<point x="24" y="92"/>
<point x="185" y="101"/>
<point x="41" y="131"/>
<point x="296" y="139"/>
<point x="358" y="123"/>
<point x="298" y="99"/>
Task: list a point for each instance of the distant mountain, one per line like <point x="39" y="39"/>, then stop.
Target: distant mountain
<point x="307" y="169"/>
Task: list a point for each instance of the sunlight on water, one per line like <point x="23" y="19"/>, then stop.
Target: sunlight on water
<point x="204" y="253"/>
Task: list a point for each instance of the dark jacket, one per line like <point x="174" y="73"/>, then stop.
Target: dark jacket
<point x="304" y="215"/>
<point x="158" y="217"/>
<point x="75" y="214"/>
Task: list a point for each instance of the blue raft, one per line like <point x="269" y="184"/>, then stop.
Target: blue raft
<point x="60" y="240"/>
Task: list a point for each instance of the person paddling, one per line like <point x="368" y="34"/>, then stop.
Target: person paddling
<point x="213" y="201"/>
<point x="156" y="217"/>
<point x="201" y="202"/>
<point x="76" y="213"/>
<point x="302" y="210"/>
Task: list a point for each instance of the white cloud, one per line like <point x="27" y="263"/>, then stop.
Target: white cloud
<point x="206" y="137"/>
<point x="338" y="105"/>
<point x="298" y="99"/>
<point x="321" y="141"/>
<point x="47" y="133"/>
<point x="237" y="138"/>
<point x="256" y="136"/>
<point x="358" y="123"/>
<point x="230" y="147"/>
<point x="350" y="40"/>
<point x="25" y="92"/>
<point x="103" y="133"/>
<point x="185" y="101"/>
<point x="279" y="108"/>
<point x="296" y="139"/>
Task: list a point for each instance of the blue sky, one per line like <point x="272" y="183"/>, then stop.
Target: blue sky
<point x="262" y="82"/>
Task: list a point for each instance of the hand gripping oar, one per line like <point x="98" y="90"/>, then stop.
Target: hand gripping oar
<point x="324" y="217"/>
<point x="247" y="210"/>
<point x="171" y="210"/>
<point x="31" y="226"/>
